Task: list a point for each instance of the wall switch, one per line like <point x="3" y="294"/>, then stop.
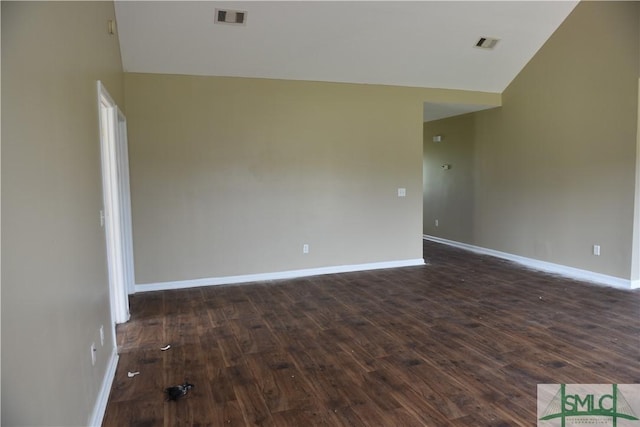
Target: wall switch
<point x="596" y="250"/>
<point x="102" y="335"/>
<point x="305" y="249"/>
<point x="402" y="192"/>
<point x="93" y="354"/>
<point x="437" y="223"/>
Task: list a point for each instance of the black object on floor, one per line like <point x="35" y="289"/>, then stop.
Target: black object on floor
<point x="178" y="391"/>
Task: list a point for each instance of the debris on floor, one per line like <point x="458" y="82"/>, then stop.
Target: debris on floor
<point x="165" y="348"/>
<point x="176" y="392"/>
<point x="133" y="374"/>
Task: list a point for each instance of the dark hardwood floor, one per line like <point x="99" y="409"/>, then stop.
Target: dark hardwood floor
<point x="462" y="341"/>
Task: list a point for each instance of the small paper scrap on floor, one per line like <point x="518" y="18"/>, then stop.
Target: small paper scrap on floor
<point x="133" y="374"/>
<point x="165" y="348"/>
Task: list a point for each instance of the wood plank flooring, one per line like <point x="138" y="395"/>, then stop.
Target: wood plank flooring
<point x="462" y="341"/>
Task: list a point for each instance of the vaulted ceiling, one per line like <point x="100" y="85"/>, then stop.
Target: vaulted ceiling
<point x="416" y="43"/>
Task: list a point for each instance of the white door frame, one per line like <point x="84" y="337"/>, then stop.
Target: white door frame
<point x="114" y="212"/>
<point x="635" y="249"/>
<point x="125" y="197"/>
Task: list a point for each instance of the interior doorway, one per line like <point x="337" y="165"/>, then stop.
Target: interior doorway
<point x="117" y="209"/>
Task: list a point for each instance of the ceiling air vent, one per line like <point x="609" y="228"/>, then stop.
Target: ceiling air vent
<point x="486" y="43"/>
<point x="234" y="17"/>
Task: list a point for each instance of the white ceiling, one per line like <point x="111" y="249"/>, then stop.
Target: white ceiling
<point x="418" y="43"/>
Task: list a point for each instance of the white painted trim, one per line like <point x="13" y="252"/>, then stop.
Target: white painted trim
<point x="227" y="280"/>
<point x="112" y="199"/>
<point x="100" y="405"/>
<point x="635" y="284"/>
<point x="563" y="270"/>
<point x="635" y="241"/>
<point x="125" y="196"/>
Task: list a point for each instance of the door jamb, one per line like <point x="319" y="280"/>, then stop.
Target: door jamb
<point x="113" y="221"/>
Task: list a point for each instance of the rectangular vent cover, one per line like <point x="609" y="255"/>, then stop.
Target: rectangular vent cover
<point x="234" y="17"/>
<point x="487" y="43"/>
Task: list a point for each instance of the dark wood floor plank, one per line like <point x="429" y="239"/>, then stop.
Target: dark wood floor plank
<point x="142" y="414"/>
<point x="461" y="341"/>
<point x="253" y="406"/>
<point x="227" y="414"/>
<point x="148" y="385"/>
<point x="279" y="381"/>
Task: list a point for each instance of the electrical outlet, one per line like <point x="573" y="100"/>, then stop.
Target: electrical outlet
<point x="402" y="192"/>
<point x="437" y="223"/>
<point x="93" y="354"/>
<point x="102" y="335"/>
<point x="305" y="249"/>
<point x="596" y="250"/>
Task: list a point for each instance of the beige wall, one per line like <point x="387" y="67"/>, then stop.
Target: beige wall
<point x="449" y="193"/>
<point x="555" y="166"/>
<point x="54" y="277"/>
<point x="232" y="176"/>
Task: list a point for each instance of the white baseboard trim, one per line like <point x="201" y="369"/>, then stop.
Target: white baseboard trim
<point x="228" y="280"/>
<point x="103" y="395"/>
<point x="563" y="270"/>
